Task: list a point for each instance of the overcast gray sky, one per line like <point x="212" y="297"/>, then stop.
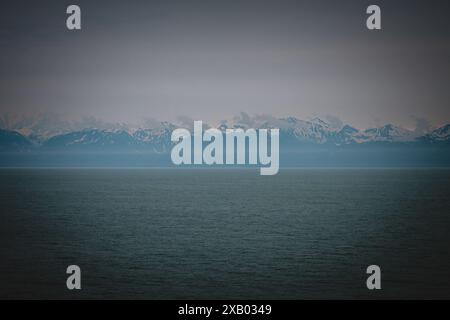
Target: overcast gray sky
<point x="212" y="59"/>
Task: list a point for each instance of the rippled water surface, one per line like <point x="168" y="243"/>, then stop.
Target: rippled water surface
<point x="169" y="233"/>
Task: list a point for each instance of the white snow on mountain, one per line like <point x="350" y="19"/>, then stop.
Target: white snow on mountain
<point x="51" y="130"/>
<point x="389" y="133"/>
<point x="439" y="134"/>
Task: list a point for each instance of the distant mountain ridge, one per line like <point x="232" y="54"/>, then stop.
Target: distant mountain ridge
<point x="12" y="140"/>
<point x="293" y="132"/>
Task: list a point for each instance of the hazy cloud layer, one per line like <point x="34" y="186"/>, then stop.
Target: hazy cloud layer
<point x="211" y="60"/>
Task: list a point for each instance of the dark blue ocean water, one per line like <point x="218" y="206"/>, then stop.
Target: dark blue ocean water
<point x="200" y="233"/>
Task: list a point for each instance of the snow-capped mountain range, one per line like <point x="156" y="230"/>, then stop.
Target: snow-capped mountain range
<point x="53" y="133"/>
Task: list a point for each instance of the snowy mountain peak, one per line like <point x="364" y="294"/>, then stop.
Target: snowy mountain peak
<point x="391" y="133"/>
<point x="347" y="129"/>
<point x="320" y="122"/>
<point x="441" y="134"/>
<point x="155" y="135"/>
